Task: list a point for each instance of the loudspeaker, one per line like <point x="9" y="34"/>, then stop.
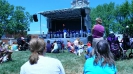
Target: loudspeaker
<point x="35" y="18"/>
<point x="83" y="14"/>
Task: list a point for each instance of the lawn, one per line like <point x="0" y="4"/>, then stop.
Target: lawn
<point x="72" y="64"/>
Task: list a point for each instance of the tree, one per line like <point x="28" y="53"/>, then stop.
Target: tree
<point x="20" y="20"/>
<point x="13" y="19"/>
<point x="5" y="15"/>
<point x="106" y="13"/>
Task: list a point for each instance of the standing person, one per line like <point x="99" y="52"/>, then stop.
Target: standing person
<point x="39" y="64"/>
<point x="64" y="31"/>
<point x="44" y="36"/>
<point x="102" y="61"/>
<point x="126" y="42"/>
<point x="97" y="32"/>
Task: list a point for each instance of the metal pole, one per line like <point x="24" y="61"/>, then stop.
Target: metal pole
<point x="40" y="25"/>
<point x="81" y="22"/>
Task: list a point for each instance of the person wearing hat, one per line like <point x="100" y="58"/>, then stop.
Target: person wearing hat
<point x="97" y="32"/>
<point x="88" y="51"/>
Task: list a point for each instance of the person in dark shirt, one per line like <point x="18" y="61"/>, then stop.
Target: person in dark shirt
<point x="126" y="42"/>
<point x="48" y="47"/>
<point x="28" y="38"/>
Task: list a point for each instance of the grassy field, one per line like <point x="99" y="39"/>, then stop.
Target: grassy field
<point x="73" y="64"/>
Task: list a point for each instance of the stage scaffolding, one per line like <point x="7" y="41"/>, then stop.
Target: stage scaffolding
<point x="67" y="14"/>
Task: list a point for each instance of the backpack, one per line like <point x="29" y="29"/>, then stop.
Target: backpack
<point x="113" y="43"/>
<point x="114" y="46"/>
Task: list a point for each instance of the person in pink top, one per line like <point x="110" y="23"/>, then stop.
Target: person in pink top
<point x="97" y="32"/>
<point x="69" y="46"/>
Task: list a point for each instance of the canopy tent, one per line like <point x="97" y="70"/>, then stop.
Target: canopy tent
<point x="78" y="17"/>
<point x="63" y="14"/>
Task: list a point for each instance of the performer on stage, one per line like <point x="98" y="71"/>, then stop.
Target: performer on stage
<point x="64" y="30"/>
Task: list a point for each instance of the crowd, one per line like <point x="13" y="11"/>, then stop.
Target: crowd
<point x="99" y="58"/>
<point x="99" y="53"/>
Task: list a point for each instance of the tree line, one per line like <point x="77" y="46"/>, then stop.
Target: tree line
<point x="116" y="18"/>
<point x="13" y="19"/>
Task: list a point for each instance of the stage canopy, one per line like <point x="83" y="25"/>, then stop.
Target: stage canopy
<point x="63" y="14"/>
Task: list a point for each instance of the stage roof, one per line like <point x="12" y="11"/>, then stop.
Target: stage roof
<point x="70" y="13"/>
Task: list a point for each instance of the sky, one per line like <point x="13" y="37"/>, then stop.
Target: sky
<point x="35" y="6"/>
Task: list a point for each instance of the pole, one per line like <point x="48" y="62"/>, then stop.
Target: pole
<point x="81" y="22"/>
<point x="40" y="25"/>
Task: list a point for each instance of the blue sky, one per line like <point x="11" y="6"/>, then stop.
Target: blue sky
<point x="35" y="6"/>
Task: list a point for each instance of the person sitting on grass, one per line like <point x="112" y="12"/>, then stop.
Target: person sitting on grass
<point x="5" y="54"/>
<point x="80" y="48"/>
<point x="15" y="46"/>
<point x="69" y="45"/>
<point x="38" y="63"/>
<point x="55" y="49"/>
<point x="102" y="62"/>
<point x="48" y="47"/>
<point x="88" y="51"/>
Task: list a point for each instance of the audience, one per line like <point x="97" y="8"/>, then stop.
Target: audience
<point x="70" y="46"/>
<point x="38" y="63"/>
<point x="55" y="49"/>
<point x="48" y="47"/>
<point x="97" y="32"/>
<point x="15" y="46"/>
<point x="88" y="51"/>
<point x="80" y="48"/>
<point x="102" y="61"/>
<point x="5" y="53"/>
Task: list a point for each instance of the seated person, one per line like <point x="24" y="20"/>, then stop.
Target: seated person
<point x="80" y="48"/>
<point x="38" y="63"/>
<point x="101" y="61"/>
<point x="55" y="49"/>
<point x="48" y="46"/>
<point x="70" y="46"/>
<point x="59" y="44"/>
<point x="14" y="46"/>
<point x="88" y="51"/>
<point x="5" y="54"/>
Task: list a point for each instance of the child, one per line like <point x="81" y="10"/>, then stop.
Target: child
<point x="14" y="46"/>
<point x="88" y="51"/>
<point x="80" y="48"/>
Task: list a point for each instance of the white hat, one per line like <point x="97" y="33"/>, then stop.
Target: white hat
<point x="22" y="38"/>
<point x="111" y="32"/>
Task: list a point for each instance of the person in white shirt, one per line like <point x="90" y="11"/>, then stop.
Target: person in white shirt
<point x="80" y="48"/>
<point x="39" y="64"/>
<point x="55" y="49"/>
<point x="76" y="43"/>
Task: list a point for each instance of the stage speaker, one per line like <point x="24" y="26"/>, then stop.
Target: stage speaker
<point x="35" y="18"/>
<point x="83" y="14"/>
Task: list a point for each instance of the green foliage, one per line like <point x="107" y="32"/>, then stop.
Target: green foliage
<point x="115" y="17"/>
<point x="13" y="19"/>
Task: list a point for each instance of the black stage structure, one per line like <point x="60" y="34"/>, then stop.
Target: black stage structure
<point x="73" y="18"/>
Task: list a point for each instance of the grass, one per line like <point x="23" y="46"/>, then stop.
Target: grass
<point x="72" y="64"/>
